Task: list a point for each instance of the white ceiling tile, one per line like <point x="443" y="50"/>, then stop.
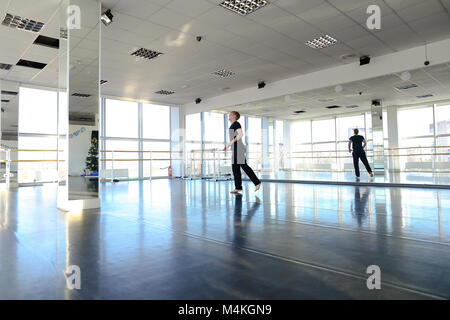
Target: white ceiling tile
<point x="138" y="8"/>
<point x="190" y="8"/>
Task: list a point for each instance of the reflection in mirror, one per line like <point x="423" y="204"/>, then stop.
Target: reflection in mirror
<point x="407" y="134"/>
<point x="9" y="133"/>
<point x="78" y="105"/>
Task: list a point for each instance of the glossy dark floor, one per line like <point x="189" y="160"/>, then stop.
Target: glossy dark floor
<point x="193" y="240"/>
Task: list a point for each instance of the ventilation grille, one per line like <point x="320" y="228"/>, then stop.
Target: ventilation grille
<point x="20" y="23"/>
<point x="165" y="92"/>
<point x="406" y="87"/>
<point x="244" y="7"/>
<point x="5" y="66"/>
<point x="321" y="42"/>
<point x="31" y="64"/>
<point x="299" y="111"/>
<point x="223" y="73"/>
<point x="429" y="95"/>
<point x="146" y="53"/>
<point x="10" y="93"/>
<point x="333" y="107"/>
<point x="5" y="100"/>
<point x="81" y="95"/>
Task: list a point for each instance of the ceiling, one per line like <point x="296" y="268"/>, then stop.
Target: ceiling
<point x="266" y="45"/>
<point x="433" y="80"/>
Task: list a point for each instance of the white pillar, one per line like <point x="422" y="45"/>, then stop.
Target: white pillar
<point x="176" y="140"/>
<point x="265" y="143"/>
<point x="287" y="144"/>
<point x="392" y="122"/>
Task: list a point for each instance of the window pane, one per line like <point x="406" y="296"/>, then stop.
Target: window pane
<point x="121" y="119"/>
<point x="131" y="167"/>
<point x="347" y="124"/>
<point x="301" y="132"/>
<point x="280" y="132"/>
<point x="155" y="121"/>
<point x="159" y="168"/>
<point x="323" y="130"/>
<point x="254" y="130"/>
<point x="442" y="119"/>
<point x="37" y="111"/>
<point x="193" y="127"/>
<point x="37" y="171"/>
<point x="415" y="122"/>
<point x="214" y="123"/>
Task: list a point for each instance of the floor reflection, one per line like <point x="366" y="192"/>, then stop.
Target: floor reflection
<point x="175" y="239"/>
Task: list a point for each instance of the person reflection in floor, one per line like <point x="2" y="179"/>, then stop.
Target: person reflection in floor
<point x="360" y="205"/>
<point x="241" y="225"/>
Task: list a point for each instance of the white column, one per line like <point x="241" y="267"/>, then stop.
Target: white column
<point x="265" y="143"/>
<point x="287" y="143"/>
<point x="176" y="140"/>
<point x="392" y="122"/>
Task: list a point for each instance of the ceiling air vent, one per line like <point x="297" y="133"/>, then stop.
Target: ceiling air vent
<point x="81" y="95"/>
<point x="20" y="23"/>
<point x="332" y="107"/>
<point x="47" y="42"/>
<point x="5" y="66"/>
<point x="429" y="95"/>
<point x="5" y="100"/>
<point x="146" y="53"/>
<point x="103" y="81"/>
<point x="244" y="7"/>
<point x="31" y="64"/>
<point x="10" y="93"/>
<point x="299" y="111"/>
<point x="165" y="92"/>
<point x="223" y="73"/>
<point x="321" y="42"/>
<point x="407" y="86"/>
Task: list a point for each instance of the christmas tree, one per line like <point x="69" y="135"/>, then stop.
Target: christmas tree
<point x="92" y="158"/>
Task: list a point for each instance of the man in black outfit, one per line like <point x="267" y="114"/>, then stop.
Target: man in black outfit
<point x="238" y="160"/>
<point x="359" y="143"/>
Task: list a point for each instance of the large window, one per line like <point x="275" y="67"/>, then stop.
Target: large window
<point x="122" y="119"/>
<point x="442" y="114"/>
<point x="155" y="121"/>
<point x="37" y="131"/>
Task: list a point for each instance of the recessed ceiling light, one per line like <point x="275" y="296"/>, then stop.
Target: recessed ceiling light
<point x="223" y="73"/>
<point x="5" y="66"/>
<point x="244" y="7"/>
<point x="406" y="87"/>
<point x="146" y="53"/>
<point x="299" y="111"/>
<point x="321" y="42"/>
<point x="20" y="23"/>
<point x="47" y="42"/>
<point x="165" y="92"/>
<point x="31" y="64"/>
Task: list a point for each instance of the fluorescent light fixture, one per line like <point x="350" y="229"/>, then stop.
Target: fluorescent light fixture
<point x="25" y="24"/>
<point x="244" y="7"/>
<point x="321" y="42"/>
<point x="406" y="87"/>
<point x="146" y="53"/>
<point x="223" y="73"/>
<point x="107" y="17"/>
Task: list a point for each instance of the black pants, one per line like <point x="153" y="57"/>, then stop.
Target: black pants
<point x="360" y="155"/>
<point x="238" y="177"/>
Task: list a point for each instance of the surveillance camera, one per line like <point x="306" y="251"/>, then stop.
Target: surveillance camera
<point x="198" y="100"/>
<point x="261" y="84"/>
<point x="360" y="93"/>
<point x="426" y="63"/>
<point x="199" y="38"/>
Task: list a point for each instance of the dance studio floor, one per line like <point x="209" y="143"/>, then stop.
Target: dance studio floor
<point x="175" y="239"/>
